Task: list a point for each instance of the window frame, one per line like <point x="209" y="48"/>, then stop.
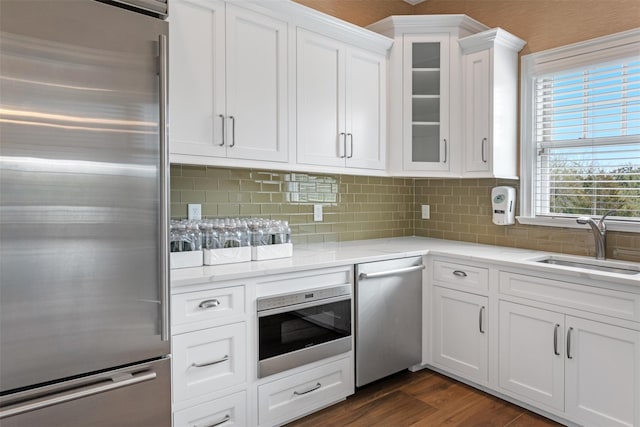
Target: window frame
<point x="599" y="50"/>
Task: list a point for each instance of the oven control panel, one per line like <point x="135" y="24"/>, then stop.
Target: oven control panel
<point x="284" y="300"/>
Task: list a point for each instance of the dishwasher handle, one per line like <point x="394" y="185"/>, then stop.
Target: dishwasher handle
<point x="363" y="276"/>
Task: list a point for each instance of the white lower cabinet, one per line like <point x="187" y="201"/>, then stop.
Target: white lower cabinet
<point x="287" y="398"/>
<point x="460" y="335"/>
<point x="226" y="411"/>
<point x="208" y="360"/>
<point x="531" y="358"/>
<point x="602" y="374"/>
<point x="588" y="370"/>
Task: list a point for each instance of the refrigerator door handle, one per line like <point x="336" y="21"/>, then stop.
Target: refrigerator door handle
<point x="164" y="193"/>
<point x="78" y="393"/>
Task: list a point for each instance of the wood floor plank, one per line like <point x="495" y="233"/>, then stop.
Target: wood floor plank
<point x="396" y="409"/>
<point x="422" y="399"/>
<point x="529" y="419"/>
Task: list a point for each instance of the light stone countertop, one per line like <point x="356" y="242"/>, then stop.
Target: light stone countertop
<point x="325" y="255"/>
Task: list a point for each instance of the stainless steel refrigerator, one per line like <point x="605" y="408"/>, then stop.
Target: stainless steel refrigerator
<point x="84" y="337"/>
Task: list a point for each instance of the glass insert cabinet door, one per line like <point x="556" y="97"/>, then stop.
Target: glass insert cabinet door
<point x="426" y="102"/>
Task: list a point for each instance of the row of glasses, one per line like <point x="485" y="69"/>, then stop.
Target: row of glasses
<point x="216" y="233"/>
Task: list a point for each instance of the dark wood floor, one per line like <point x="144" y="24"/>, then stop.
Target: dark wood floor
<point x="421" y="399"/>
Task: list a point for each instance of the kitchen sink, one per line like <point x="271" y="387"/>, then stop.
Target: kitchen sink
<point x="607" y="266"/>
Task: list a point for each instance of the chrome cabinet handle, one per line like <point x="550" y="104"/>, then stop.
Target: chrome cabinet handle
<point x="569" y="356"/>
<point x="164" y="191"/>
<point x="484" y="141"/>
<point x="314" y="388"/>
<point x="459" y="273"/>
<point x="363" y="276"/>
<point x="210" y="303"/>
<point x="233" y="131"/>
<point x="350" y="135"/>
<point x="446" y="145"/>
<point x="215" y="362"/>
<point x="344" y="144"/>
<point x="223" y="132"/>
<point x="78" y="393"/>
<point x="219" y="423"/>
<point x="555" y="340"/>
<point x="480" y="316"/>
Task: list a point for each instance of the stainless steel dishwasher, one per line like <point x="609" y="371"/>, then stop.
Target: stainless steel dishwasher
<point x="388" y="312"/>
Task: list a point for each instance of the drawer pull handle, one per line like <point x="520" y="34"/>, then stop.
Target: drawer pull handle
<point x="215" y="362"/>
<point x="314" y="388"/>
<point x="555" y="340"/>
<point x="569" y="356"/>
<point x="459" y="273"/>
<point x="219" y="423"/>
<point x="210" y="303"/>
<point x="480" y="316"/>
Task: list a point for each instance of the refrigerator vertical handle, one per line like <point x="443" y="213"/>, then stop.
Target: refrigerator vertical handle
<point x="164" y="193"/>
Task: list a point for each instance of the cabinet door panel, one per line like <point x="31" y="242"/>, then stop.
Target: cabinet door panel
<point x="529" y="365"/>
<point x="426" y="103"/>
<point x="320" y="98"/>
<point x="603" y="374"/>
<point x="366" y="110"/>
<point x="256" y="55"/>
<point x="477" y="111"/>
<point x="197" y="83"/>
<point x="460" y="336"/>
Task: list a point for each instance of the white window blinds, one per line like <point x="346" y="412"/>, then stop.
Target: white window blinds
<point x="587" y="136"/>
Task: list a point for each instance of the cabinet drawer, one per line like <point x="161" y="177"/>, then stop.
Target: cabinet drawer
<point x="462" y="276"/>
<point x="214" y="304"/>
<point x="618" y="304"/>
<point x="226" y="411"/>
<point x="208" y="360"/>
<point x="287" y="398"/>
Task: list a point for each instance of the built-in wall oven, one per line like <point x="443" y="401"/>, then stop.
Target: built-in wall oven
<point x="303" y="327"/>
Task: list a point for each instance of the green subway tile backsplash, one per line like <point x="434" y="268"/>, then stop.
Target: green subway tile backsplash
<point x="354" y="207"/>
<point x="363" y="207"/>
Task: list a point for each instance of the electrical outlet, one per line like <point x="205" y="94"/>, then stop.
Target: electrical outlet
<point x="425" y="212"/>
<point x="317" y="212"/>
<point x="194" y="211"/>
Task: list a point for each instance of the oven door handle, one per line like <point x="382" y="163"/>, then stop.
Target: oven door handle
<point x="302" y="306"/>
<point x="364" y="276"/>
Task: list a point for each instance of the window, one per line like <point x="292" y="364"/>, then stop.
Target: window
<point x="581" y="133"/>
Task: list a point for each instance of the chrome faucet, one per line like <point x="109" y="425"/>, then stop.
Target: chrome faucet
<point x="599" y="232"/>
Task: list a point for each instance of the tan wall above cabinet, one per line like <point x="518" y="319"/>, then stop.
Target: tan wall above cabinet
<point x="545" y="24"/>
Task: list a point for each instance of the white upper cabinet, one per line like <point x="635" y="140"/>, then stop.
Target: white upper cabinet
<point x="426" y="138"/>
<point x="229" y="83"/>
<point x="340" y="103"/>
<point x="197" y="77"/>
<point x="257" y="83"/>
<point x="452" y="97"/>
<point x="425" y="95"/>
<point x="490" y="92"/>
<point x="320" y="100"/>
